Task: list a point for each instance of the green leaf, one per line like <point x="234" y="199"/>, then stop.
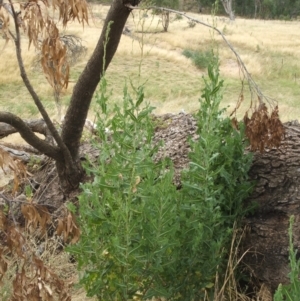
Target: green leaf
<point x="209" y="285"/>
<point x="129" y="112"/>
<point x="197" y="165"/>
<point x="140" y="98"/>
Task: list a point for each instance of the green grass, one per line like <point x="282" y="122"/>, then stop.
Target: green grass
<point x="201" y="59"/>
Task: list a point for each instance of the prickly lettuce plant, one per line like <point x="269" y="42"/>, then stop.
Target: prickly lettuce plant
<point x="128" y="214"/>
<point x="213" y="189"/>
<point x="142" y="238"/>
<point x="290" y="292"/>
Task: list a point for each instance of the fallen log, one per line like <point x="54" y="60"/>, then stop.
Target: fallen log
<point x="277" y="194"/>
<point x="23" y="155"/>
<point x="38" y="126"/>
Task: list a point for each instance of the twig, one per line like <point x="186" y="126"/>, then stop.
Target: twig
<point x="20" y="201"/>
<point x="37" y="101"/>
<point x="253" y="87"/>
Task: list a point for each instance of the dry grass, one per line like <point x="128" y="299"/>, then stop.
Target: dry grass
<point x="270" y="50"/>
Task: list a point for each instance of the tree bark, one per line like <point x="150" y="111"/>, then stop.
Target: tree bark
<point x="277" y="193"/>
<point x="90" y="77"/>
<point x="37" y="126"/>
<point x="257" y="8"/>
<point x="85" y="87"/>
<point x="22" y="155"/>
<point x="165" y="20"/>
<point x="28" y="135"/>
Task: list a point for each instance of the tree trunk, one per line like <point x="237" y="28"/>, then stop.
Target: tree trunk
<point x="257" y="8"/>
<point x="227" y="4"/>
<point x="165" y="20"/>
<point x="277" y="193"/>
<point x="66" y="150"/>
<point x="90" y="77"/>
<point x="69" y="175"/>
<point x="231" y="16"/>
<point x="37" y="125"/>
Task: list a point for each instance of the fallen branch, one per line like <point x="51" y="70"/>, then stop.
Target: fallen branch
<point x="20" y="147"/>
<point x="25" y="157"/>
<point x="37" y="126"/>
<point x="28" y="135"/>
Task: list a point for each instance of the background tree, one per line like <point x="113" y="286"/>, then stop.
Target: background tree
<point x="227" y="4"/>
<point x="40" y="26"/>
<point x="257" y="8"/>
<point x="165" y="15"/>
<point x="264" y="9"/>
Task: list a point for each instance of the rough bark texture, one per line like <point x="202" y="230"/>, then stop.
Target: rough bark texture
<point x="28" y="135"/>
<point x="277" y="193"/>
<point x="38" y="126"/>
<point x="90" y="77"/>
<point x="71" y="175"/>
<point x="277" y="176"/>
<point x="165" y="20"/>
<point x="174" y="131"/>
<point x="24" y="156"/>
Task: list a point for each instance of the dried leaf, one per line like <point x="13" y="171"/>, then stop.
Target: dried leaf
<point x="68" y="229"/>
<point x="264" y="130"/>
<point x="8" y="162"/>
<point x="3" y="221"/>
<point x="35" y="216"/>
<point x="3" y="264"/>
<point x="15" y="241"/>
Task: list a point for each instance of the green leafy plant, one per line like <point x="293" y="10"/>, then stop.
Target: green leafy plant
<point x="290" y="292"/>
<point x="201" y="59"/>
<point x="128" y="213"/>
<point x="213" y="190"/>
<point x="191" y="24"/>
<point x="142" y="238"/>
<point x="178" y="17"/>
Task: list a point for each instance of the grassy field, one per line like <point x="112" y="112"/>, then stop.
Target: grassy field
<point x="269" y="49"/>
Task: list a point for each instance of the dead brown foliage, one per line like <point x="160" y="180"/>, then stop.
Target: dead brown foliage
<point x="54" y="59"/>
<point x="34" y="20"/>
<point x="264" y="130"/>
<point x="71" y="9"/>
<point x="36" y="216"/>
<point x="43" y="33"/>
<point x="42" y="284"/>
<point x="7" y="161"/>
<point x="4" y="21"/>
<point x="67" y="227"/>
<point x="18" y="168"/>
<point x="32" y="279"/>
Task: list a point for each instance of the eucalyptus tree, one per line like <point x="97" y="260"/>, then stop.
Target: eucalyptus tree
<point x="165" y="15"/>
<point x="228" y="9"/>
<point x="43" y="33"/>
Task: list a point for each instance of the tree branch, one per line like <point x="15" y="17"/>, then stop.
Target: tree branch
<point x="24" y="156"/>
<point x="38" y="126"/>
<point x="38" y="103"/>
<point x="27" y="134"/>
<point x="90" y="77"/>
<point x="253" y="87"/>
<point x="20" y="147"/>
